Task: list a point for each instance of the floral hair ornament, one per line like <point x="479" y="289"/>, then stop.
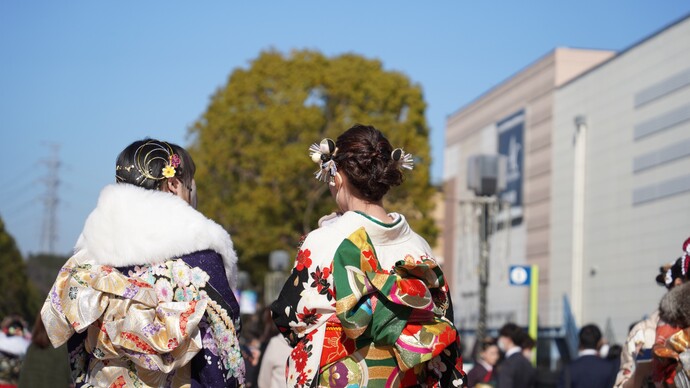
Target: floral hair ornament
<point x="323" y="154"/>
<point x="143" y="161"/>
<point x="169" y="169"/>
<point x="670" y="272"/>
<point x="680" y="269"/>
<point x="686" y="258"/>
<point x="402" y="159"/>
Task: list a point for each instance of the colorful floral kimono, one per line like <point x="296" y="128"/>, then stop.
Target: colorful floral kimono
<point x="366" y="305"/>
<point x="147" y="300"/>
<point x="643" y="332"/>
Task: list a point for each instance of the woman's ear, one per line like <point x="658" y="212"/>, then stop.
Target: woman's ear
<point x="338" y="180"/>
<point x="172" y="185"/>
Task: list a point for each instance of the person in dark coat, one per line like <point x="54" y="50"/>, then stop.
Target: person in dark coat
<point x="515" y="371"/>
<point x="44" y="366"/>
<point x="589" y="370"/>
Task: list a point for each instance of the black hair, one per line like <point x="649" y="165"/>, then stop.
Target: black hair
<point x="487" y="343"/>
<point x="364" y="156"/>
<point x="141" y="164"/>
<point x="590" y="335"/>
<point x="512" y="331"/>
<point x="614" y="352"/>
<point x="527" y="342"/>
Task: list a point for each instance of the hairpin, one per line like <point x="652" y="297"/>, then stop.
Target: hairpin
<point x="404" y="160"/>
<point x="118" y="178"/>
<point x="171" y="163"/>
<point x="323" y="154"/>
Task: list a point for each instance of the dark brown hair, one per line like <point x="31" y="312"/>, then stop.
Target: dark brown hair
<point x="512" y="331"/>
<point x="487" y="343"/>
<point x="39" y="336"/>
<point x="364" y="156"/>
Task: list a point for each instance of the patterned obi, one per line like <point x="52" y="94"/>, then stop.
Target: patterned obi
<point x="142" y="330"/>
<point x="388" y="325"/>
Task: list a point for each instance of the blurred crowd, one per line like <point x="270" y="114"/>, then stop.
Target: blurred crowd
<point x="656" y="352"/>
<point x="507" y="361"/>
<point x="27" y="359"/>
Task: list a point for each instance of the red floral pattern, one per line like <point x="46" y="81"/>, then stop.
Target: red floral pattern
<point x="303" y="260"/>
<point x="446" y="338"/>
<point x="141" y="344"/>
<point x="321" y="282"/>
<point x="184" y="317"/>
<point x="308" y="316"/>
<point x="119" y="383"/>
<point x="300" y="355"/>
<point x="139" y="283"/>
<point x="412" y="287"/>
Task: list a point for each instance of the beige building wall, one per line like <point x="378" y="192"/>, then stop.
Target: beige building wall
<point x="438" y="215"/>
<point x="636" y="197"/>
<point x="472" y="130"/>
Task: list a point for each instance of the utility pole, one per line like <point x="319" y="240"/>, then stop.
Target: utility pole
<point x="486" y="177"/>
<point x="51" y="199"/>
<point x="484" y="233"/>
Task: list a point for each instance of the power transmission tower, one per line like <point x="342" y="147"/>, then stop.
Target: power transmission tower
<point x="51" y="199"/>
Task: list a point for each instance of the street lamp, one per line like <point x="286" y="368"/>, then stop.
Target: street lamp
<point x="486" y="177"/>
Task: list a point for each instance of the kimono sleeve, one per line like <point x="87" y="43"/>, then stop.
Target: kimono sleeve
<point x="307" y="300"/>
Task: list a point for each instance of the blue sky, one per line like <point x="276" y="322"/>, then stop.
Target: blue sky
<point x="94" y="76"/>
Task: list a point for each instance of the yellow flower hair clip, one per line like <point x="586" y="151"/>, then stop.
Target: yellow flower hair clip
<point x="170" y="169"/>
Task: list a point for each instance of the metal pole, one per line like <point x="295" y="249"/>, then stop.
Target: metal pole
<point x="534" y="309"/>
<point x="484" y="231"/>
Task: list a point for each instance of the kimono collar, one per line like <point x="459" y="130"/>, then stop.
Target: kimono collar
<point x="379" y="232"/>
<point x="135" y="226"/>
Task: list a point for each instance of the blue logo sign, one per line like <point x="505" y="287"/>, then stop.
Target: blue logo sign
<point x="520" y="275"/>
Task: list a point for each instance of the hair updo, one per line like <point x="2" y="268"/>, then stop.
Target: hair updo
<point x="364" y="156"/>
<point x="142" y="162"/>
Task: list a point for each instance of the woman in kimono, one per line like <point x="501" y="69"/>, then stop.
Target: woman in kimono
<point x="146" y="299"/>
<point x="366" y="303"/>
<point x="671" y="349"/>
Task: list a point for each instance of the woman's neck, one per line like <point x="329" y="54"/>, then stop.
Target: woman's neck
<point x="346" y="196"/>
<point x="372" y="209"/>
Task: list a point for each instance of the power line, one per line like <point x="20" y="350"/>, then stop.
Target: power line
<point x="51" y="199"/>
<point x="18" y="182"/>
<point x="27" y="204"/>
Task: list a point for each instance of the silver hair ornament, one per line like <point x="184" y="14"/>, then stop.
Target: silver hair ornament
<point x="402" y="159"/>
<point x="322" y="154"/>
